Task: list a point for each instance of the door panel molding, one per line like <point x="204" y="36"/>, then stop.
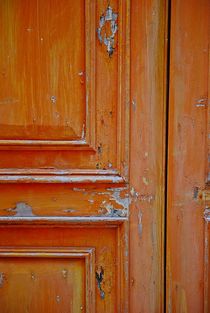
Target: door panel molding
<point x="105" y="158"/>
<point x="88" y="254"/>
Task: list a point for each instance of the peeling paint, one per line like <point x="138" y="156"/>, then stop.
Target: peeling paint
<point x="146" y="197"/>
<point x="79" y="189"/>
<point x="207" y="214"/>
<point x="116" y="196"/>
<point x="134" y="105"/>
<point x="145" y="181"/>
<point x="22" y="209"/>
<point x="201" y="102"/>
<point x="107" y="209"/>
<point x="83" y="132"/>
<point x="134" y="194"/>
<point x="140" y="225"/>
<point x="195" y="192"/>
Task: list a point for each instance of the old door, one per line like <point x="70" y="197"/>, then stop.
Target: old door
<point x="82" y="132"/>
<point x="188" y="251"/>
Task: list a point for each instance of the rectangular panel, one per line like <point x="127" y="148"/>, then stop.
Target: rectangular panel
<point x="46" y="279"/>
<point x="46" y="64"/>
<point x="35" y="201"/>
<point x="43" y="62"/>
<point x="41" y="286"/>
<point x="93" y="95"/>
<point x="74" y="277"/>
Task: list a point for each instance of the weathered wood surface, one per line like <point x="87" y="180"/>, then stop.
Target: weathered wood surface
<point x="148" y="90"/>
<point x="82" y="162"/>
<point x="187" y="152"/>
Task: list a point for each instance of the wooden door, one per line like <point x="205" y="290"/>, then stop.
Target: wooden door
<point x="82" y="155"/>
<point x="188" y="251"/>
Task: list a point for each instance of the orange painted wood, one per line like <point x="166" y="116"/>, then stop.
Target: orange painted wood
<point x="187" y="155"/>
<point x="47" y="254"/>
<point x="62" y="123"/>
<point x="82" y="157"/>
<point x="42" y="82"/>
<point x="44" y="280"/>
<point x="148" y="90"/>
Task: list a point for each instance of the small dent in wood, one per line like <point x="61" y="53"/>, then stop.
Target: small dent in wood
<point x="58" y="299"/>
<point x="53" y="99"/>
<point x="33" y="276"/>
<point x="65" y="273"/>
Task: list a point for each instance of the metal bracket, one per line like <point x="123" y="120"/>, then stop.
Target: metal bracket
<point x="108" y="17"/>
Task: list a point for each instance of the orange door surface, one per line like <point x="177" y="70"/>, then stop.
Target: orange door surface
<point x="188" y="282"/>
<point x="82" y="155"/>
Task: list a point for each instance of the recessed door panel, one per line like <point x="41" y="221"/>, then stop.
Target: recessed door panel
<point x="81" y="155"/>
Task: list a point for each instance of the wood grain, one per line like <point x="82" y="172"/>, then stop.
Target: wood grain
<point x="187" y="155"/>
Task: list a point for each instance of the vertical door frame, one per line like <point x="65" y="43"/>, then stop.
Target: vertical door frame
<point x="149" y="34"/>
<point x="187" y="155"/>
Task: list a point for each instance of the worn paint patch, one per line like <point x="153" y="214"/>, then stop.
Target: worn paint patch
<point x="2" y="278"/>
<point x="69" y="210"/>
<point x="107" y="209"/>
<point x="58" y="299"/>
<point x="140" y="225"/>
<point x="195" y="192"/>
<point x="116" y="195"/>
<point x="145" y="181"/>
<point x="22" y="209"/>
<point x="83" y="132"/>
<point x="33" y="276"/>
<point x="202" y="102"/>
<point x="207" y="214"/>
<point x="53" y="99"/>
<point x="65" y="273"/>
<point x="134" y="105"/>
<point x="111" y="202"/>
<point x="8" y="101"/>
<point x="134" y="194"/>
